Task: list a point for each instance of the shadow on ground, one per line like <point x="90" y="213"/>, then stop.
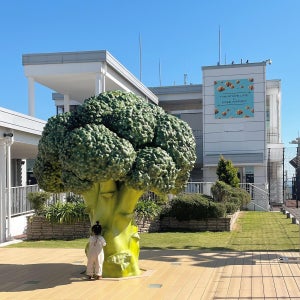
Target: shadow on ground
<point x="38" y="276"/>
<point x="208" y="259"/>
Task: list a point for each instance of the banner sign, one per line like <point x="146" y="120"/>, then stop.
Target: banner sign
<point x="234" y="98"/>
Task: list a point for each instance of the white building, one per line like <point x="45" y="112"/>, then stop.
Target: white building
<point x="76" y="76"/>
<point x="235" y="113"/>
<point x="73" y="77"/>
<point x="19" y="137"/>
<point x="240" y="123"/>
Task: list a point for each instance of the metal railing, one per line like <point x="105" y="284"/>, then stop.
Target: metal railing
<point x="19" y="201"/>
<point x="21" y="205"/>
<point x="199" y="188"/>
<point x="259" y="195"/>
<point x="258" y="192"/>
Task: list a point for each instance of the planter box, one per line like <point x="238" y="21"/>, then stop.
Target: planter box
<point x="215" y="224"/>
<point x="39" y="228"/>
<point x="147" y="225"/>
<point x="172" y="224"/>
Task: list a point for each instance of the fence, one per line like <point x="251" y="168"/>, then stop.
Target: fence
<point x="19" y="201"/>
<point x="259" y="195"/>
<point x="199" y="188"/>
<point x="260" y="198"/>
<point x="20" y="204"/>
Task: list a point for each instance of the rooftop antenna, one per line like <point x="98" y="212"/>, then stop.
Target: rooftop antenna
<point x="140" y="47"/>
<point x="219" y="45"/>
<point x="185" y="79"/>
<point x="159" y="73"/>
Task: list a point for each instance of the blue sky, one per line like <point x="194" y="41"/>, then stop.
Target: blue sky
<point x="182" y="35"/>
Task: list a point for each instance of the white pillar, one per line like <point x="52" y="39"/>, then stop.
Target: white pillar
<point x="31" y="96"/>
<point x="100" y="80"/>
<point x="66" y="103"/>
<point x="9" y="140"/>
<point x="103" y="77"/>
<point x="98" y="83"/>
<point x="23" y="172"/>
<point x="2" y="193"/>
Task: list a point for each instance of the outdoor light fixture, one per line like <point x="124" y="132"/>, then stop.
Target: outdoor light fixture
<point x="268" y="61"/>
<point x="10" y="134"/>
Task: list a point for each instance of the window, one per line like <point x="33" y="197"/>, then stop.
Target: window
<point x="60" y="109"/>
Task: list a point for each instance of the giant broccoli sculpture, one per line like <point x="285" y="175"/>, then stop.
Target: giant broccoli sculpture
<point x="111" y="150"/>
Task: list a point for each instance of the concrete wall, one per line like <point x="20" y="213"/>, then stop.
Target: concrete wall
<point x="240" y="139"/>
<point x="19" y="225"/>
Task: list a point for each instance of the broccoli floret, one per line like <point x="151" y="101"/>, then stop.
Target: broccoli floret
<point x="111" y="150"/>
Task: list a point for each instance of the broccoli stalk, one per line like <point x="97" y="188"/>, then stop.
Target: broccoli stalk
<point x="112" y="150"/>
<point x="114" y="207"/>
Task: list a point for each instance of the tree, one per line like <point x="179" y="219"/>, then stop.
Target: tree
<point x="113" y="149"/>
<point x="227" y="172"/>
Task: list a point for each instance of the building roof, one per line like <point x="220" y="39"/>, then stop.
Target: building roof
<point x="237" y="65"/>
<point x="26" y="132"/>
<point x="177" y="89"/>
<point x="73" y="73"/>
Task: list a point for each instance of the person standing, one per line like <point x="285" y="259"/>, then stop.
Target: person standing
<point x="95" y="253"/>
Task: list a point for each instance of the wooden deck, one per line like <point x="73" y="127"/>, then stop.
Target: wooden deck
<point x="173" y="274"/>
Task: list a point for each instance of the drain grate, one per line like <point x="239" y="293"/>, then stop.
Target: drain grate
<point x="154" y="286"/>
<point x="289" y="259"/>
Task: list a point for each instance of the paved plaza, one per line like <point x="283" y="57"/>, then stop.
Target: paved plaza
<point x="27" y="273"/>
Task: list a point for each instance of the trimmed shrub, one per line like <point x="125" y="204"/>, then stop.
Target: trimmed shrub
<point x="232" y="206"/>
<point x="221" y="191"/>
<point x="194" y="207"/>
<point x="227" y="172"/>
<point x="243" y="196"/>
<point x="233" y="198"/>
<point x="147" y="209"/>
<point x="38" y="201"/>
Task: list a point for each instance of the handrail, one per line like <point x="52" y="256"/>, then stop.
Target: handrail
<point x="254" y="186"/>
<point x="21" y="205"/>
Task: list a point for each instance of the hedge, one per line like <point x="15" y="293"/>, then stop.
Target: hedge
<point x="194" y="207"/>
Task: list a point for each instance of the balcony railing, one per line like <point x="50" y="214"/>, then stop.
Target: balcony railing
<point x="199" y="188"/>
<point x="20" y="204"/>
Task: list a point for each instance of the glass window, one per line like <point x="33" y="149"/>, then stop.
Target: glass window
<point x="59" y="109"/>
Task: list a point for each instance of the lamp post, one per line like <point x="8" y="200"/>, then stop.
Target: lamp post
<point x="297" y="167"/>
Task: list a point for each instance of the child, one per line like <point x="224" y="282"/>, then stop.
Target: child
<point x="95" y="253"/>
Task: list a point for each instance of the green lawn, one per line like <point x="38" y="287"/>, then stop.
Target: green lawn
<point x="256" y="231"/>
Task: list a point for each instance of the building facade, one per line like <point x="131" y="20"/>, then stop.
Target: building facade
<point x="76" y="76"/>
<point x="19" y="137"/>
<point x="73" y="77"/>
<point x="235" y="113"/>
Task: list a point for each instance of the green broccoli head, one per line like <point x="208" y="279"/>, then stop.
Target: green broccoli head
<point x="153" y="170"/>
<point x="115" y="136"/>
